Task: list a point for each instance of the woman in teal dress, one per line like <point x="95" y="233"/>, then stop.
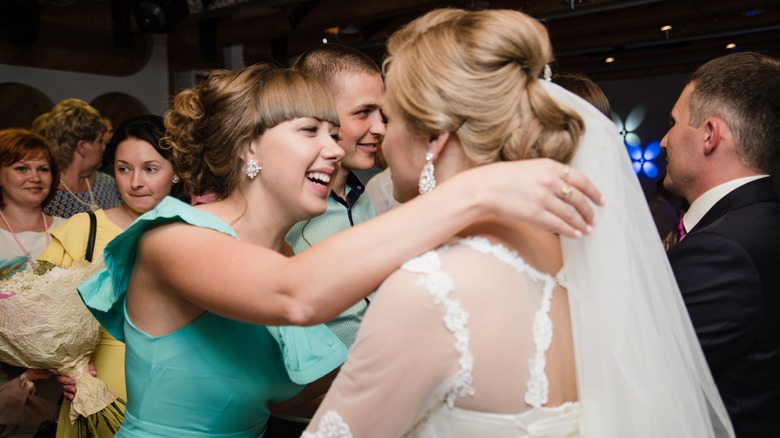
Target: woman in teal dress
<point x="184" y="285"/>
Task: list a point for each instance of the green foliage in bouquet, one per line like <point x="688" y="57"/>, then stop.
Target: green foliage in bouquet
<point x="112" y="414"/>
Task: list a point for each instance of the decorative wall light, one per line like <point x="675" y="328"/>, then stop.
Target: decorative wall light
<point x="642" y="157"/>
<point x="627" y="128"/>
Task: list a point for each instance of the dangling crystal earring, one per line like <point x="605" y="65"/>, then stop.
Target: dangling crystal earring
<point x="547" y="72"/>
<point x="252" y="169"/>
<point x="427" y="179"/>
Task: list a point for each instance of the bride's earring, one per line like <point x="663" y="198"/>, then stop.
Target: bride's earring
<point x="252" y="169"/>
<point x="427" y="179"/>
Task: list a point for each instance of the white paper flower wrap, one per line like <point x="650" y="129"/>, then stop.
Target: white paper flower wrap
<point x="45" y="325"/>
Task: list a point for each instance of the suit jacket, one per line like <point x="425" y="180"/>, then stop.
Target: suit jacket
<point x="728" y="269"/>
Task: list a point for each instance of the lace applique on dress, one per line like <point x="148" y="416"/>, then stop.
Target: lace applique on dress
<point x="439" y="286"/>
<point x="538" y="385"/>
<point x="331" y="426"/>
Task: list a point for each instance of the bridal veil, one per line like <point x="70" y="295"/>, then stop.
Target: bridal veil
<point x="640" y="369"/>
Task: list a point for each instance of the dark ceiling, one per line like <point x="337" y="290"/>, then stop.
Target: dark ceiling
<point x="104" y="37"/>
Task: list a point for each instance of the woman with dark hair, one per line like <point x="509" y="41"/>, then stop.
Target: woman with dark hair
<point x="144" y="175"/>
<point x="150" y="129"/>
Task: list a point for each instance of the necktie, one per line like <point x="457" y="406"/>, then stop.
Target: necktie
<point x="681" y="230"/>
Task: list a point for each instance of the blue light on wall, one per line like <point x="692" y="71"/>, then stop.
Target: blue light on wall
<point x="642" y="158"/>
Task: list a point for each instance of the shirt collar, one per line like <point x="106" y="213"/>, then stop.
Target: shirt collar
<point x="705" y="202"/>
<point x="353" y="190"/>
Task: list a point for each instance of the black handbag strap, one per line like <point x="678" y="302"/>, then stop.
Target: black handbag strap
<point x="92" y="232"/>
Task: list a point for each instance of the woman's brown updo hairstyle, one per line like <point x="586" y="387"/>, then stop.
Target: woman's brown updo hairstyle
<point x="209" y="124"/>
<point x="477" y="73"/>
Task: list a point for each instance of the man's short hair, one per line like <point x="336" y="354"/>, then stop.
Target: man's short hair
<point x="328" y="61"/>
<point x="743" y="89"/>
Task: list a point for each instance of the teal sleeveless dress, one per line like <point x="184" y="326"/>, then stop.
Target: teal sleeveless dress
<point x="213" y="377"/>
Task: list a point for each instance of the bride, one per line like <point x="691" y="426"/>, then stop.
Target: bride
<point x="509" y="330"/>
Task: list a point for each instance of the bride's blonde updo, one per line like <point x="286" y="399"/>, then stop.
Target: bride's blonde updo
<point x="477" y="73"/>
<point x="210" y="123"/>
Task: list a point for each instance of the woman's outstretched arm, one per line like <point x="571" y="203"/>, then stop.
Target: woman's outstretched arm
<point x="242" y="281"/>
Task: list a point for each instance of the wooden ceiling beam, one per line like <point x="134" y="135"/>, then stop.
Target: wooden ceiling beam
<point x="326" y="14"/>
<point x="63" y="47"/>
<point x="79" y="36"/>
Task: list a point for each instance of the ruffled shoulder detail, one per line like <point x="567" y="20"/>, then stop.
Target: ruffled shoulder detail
<point x="309" y="352"/>
<point x="104" y="293"/>
<point x="72" y="237"/>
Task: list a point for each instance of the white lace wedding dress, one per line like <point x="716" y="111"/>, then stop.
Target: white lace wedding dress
<point x="431" y="360"/>
<point x="427" y="356"/>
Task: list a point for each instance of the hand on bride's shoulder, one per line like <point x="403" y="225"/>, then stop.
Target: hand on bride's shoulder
<point x="542" y="192"/>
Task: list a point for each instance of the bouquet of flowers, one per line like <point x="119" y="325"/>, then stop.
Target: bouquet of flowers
<point x="45" y="325"/>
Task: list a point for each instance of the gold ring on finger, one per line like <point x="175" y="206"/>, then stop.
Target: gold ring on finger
<point x="566" y="192"/>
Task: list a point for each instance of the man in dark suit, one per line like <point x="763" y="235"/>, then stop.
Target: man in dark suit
<point x="723" y="143"/>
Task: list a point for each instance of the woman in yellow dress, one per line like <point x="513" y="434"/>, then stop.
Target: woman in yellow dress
<point x="144" y="175"/>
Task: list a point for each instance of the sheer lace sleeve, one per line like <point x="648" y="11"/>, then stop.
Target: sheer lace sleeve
<point x="455" y="327"/>
<point x="401" y="344"/>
